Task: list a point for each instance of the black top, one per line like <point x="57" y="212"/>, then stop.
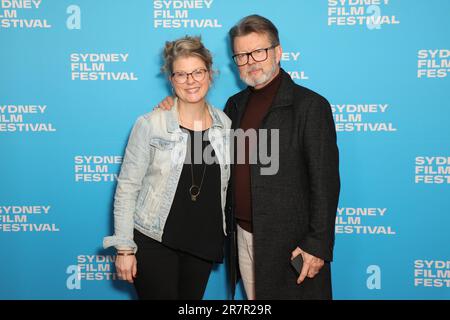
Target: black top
<point x="196" y="227"/>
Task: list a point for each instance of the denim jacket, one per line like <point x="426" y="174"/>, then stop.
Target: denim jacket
<point x="151" y="169"/>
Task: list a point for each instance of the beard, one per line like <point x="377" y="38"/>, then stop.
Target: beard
<point x="263" y="78"/>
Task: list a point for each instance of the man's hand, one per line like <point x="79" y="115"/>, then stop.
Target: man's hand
<point x="311" y="264"/>
<point x="166" y="104"/>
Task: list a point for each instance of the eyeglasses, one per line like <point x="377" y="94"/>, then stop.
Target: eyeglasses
<point x="181" y="76"/>
<point x="259" y="55"/>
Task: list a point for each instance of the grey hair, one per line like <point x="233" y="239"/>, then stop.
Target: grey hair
<point x="254" y="23"/>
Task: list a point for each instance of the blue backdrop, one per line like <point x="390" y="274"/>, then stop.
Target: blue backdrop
<point x="74" y="76"/>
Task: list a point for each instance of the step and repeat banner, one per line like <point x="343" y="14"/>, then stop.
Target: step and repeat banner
<point x="75" y="75"/>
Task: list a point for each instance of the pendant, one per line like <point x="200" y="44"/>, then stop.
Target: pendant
<point x="194" y="191"/>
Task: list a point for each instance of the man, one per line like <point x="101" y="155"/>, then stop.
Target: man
<point x="277" y="217"/>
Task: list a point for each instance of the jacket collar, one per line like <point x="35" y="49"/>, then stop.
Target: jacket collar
<point x="172" y="118"/>
<point x="285" y="94"/>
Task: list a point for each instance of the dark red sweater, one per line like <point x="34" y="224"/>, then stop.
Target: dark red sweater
<point x="257" y="107"/>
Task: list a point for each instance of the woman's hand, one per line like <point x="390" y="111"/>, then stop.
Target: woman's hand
<point x="126" y="266"/>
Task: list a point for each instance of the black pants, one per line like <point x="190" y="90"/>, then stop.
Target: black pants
<point x="167" y="274"/>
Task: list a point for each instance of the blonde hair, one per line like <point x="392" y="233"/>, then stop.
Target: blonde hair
<point x="185" y="47"/>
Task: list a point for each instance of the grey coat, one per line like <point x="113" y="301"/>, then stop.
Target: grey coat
<point x="296" y="206"/>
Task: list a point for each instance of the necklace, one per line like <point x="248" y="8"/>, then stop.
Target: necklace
<point x="194" y="190"/>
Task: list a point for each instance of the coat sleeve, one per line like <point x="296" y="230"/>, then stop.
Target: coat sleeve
<point x="228" y="107"/>
<point x="322" y="160"/>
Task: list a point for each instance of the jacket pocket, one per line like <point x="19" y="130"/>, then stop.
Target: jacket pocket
<point x="146" y="204"/>
<point x="162" y="144"/>
<point x="143" y="195"/>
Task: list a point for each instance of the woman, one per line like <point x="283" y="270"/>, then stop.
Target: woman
<point x="169" y="203"/>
